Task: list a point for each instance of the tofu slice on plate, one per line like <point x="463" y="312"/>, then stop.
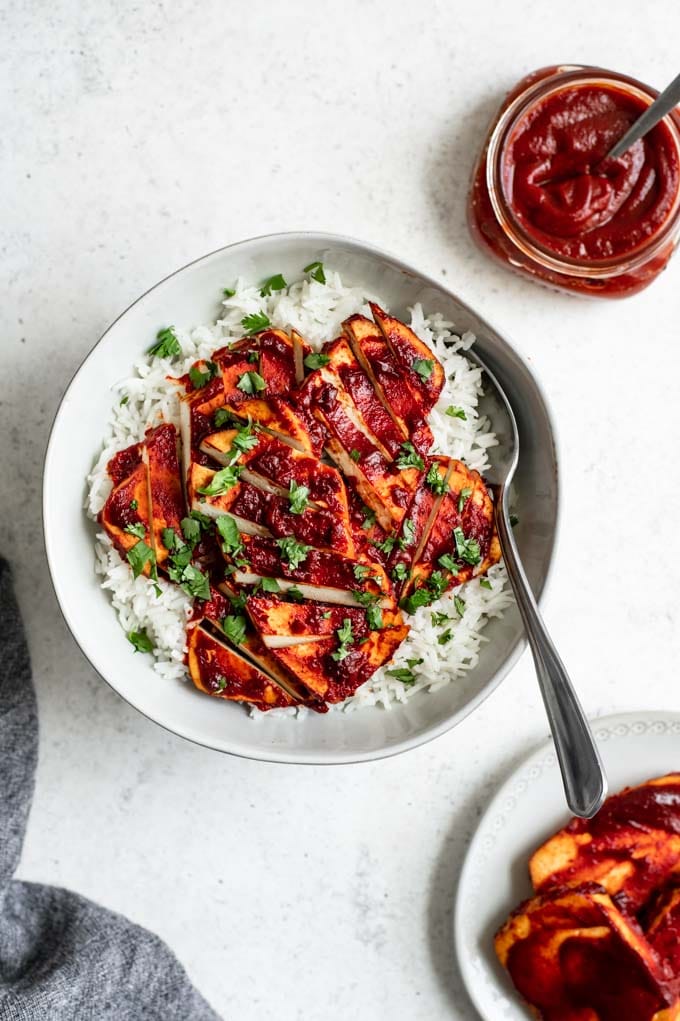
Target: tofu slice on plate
<point x="221" y="671"/>
<point x="166" y="499"/>
<point x="423" y="370"/>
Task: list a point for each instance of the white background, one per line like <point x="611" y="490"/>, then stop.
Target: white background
<point x="138" y="136"/>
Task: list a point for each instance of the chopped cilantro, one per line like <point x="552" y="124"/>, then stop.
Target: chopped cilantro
<point x="467" y="549"/>
<point x="439" y="618"/>
<point x="374" y="618"/>
<point x="199" y="377"/>
<point x="445" y="637"/>
<point x="365" y="598"/>
<point x="460" y="605"/>
<point x="298" y="498"/>
<point x="369" y="518"/>
<point x="191" y="530"/>
<point x="167" y="344"/>
<point x="231" y="537"/>
<point x="222" y="481"/>
<point x="315" y="270"/>
<point x="251" y="383"/>
<point x="387" y="546"/>
<point x="138" y="529"/>
<point x="220" y="682"/>
<point x="361" y="571"/>
<point x="140" y="640"/>
<point x="327" y="615"/>
<point x="203" y="519"/>
<point x="270" y="585"/>
<point x="234" y="627"/>
<point x="424" y="367"/>
<point x="169" y="538"/>
<point x="485" y="583"/>
<point x="355" y="455"/>
<point x="408" y="534"/>
<point x="275" y="283"/>
<point x="245" y="438"/>
<point x="295" y="594"/>
<point x="420" y="597"/>
<point x="408" y="457"/>
<point x="292" y="551"/>
<point x="221" y="417"/>
<point x="400" y="572"/>
<point x="124" y="400"/>
<point x="253" y="357"/>
<point x="448" y="563"/>
<point x="139" y="556"/>
<point x="133" y="505"/>
<point x="415" y="662"/>
<point x="316" y="360"/>
<point x="255" y="322"/>
<point x="437" y="584"/>
<point x="195" y="583"/>
<point x="454" y="412"/>
<point x="463" y="498"/>
<point x="402" y="674"/>
<point x="435" y="481"/>
<point x="345" y="638"/>
<point x="228" y="292"/>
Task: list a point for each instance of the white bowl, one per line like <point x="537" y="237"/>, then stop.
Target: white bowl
<point x="189" y="297"/>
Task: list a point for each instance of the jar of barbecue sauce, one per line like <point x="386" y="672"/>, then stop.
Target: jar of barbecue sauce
<point x="547" y="203"/>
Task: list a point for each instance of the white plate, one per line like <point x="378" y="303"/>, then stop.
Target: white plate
<point x="189" y="297"/>
<point x="527" y="809"/>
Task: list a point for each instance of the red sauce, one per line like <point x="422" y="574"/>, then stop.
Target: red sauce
<point x="547" y="203"/>
<point x="564" y="192"/>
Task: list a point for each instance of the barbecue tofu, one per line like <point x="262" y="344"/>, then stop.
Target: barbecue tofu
<point x="219" y="670"/>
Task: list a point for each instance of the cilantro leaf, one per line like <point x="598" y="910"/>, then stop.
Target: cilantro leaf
<point x="139" y="556"/>
<point x="465" y="495"/>
<point x="374" y="618"/>
<point x="292" y="551"/>
<point x="403" y="674"/>
<point x="459" y="604"/>
<point x="448" y="563"/>
<point x="355" y="455"/>
<point x="222" y="481"/>
<point x="445" y="637"/>
<point x="365" y="598"/>
<point x="424" y="367"/>
<point x="231" y="537"/>
<point x="133" y="505"/>
<point x="191" y="530"/>
<point x="195" y="583"/>
<point x="345" y="638"/>
<point x="228" y="292"/>
<point x="295" y="594"/>
<point x="140" y="640"/>
<point x="435" y="481"/>
<point x="437" y="584"/>
<point x="387" y="545"/>
<point x="467" y="549"/>
<point x="438" y="618"/>
<point x="199" y="377"/>
<point x="255" y="322"/>
<point x="221" y="417"/>
<point x="245" y="439"/>
<point x="361" y="571"/>
<point x="485" y="583"/>
<point x="234" y="627"/>
<point x="275" y="283"/>
<point x="408" y="534"/>
<point x="251" y="383"/>
<point x="408" y="457"/>
<point x="270" y="585"/>
<point x="514" y="520"/>
<point x="169" y="538"/>
<point x="400" y="572"/>
<point x="315" y="269"/>
<point x="454" y="412"/>
<point x="124" y="400"/>
<point x="167" y="344"/>
<point x="220" y="682"/>
<point x="138" y="529"/>
<point x="420" y="597"/>
<point x="316" y="360"/>
<point x="369" y="518"/>
<point x="298" y="498"/>
<point x="415" y="662"/>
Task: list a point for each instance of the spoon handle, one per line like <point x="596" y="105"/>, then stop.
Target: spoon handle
<point x="662" y="105"/>
<point x="585" y="784"/>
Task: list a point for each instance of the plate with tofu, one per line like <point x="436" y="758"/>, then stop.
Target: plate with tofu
<point x="288" y="547"/>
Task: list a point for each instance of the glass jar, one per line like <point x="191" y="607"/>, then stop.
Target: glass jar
<point x="546" y="202"/>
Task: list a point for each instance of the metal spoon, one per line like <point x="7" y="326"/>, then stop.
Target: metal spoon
<point x="583" y="776"/>
<point x="669" y="98"/>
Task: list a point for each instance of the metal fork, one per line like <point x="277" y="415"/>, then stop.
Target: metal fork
<point x="585" y="784"/>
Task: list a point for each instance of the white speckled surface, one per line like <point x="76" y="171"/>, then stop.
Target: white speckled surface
<point x="139" y="136"/>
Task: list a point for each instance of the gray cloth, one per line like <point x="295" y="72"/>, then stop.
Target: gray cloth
<point x="63" y="958"/>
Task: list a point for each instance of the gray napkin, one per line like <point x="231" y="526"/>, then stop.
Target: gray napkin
<point x="63" y="958"/>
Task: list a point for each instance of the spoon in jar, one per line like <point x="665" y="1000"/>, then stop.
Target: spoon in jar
<point x="583" y="776"/>
<point x="662" y="105"/>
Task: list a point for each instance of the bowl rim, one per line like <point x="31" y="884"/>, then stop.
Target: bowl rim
<point x="280" y="755"/>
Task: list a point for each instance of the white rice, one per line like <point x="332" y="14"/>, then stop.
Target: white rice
<point x="316" y="311"/>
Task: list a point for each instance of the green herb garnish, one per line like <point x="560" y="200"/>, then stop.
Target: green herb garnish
<point x="420" y="597"/>
<point x="140" y="640"/>
<point x="255" y="322"/>
<point x="231" y="537"/>
<point x="234" y="627"/>
<point x="438" y="618"/>
<point x="345" y="638"/>
<point x="402" y="674"/>
<point x="167" y="344"/>
<point x="200" y="377"/>
<point x="424" y="367"/>
<point x="408" y="534"/>
<point x="228" y="292"/>
<point x="251" y="383"/>
<point x="191" y="530"/>
<point x="195" y="583"/>
<point x="369" y="518"/>
<point x="275" y="283"/>
<point x="292" y="551"/>
<point x="514" y="520"/>
<point x="400" y="572"/>
<point x="139" y="556"/>
<point x="317" y="360"/>
<point x="448" y="563"/>
<point x="374" y="618"/>
<point x="437" y="584"/>
<point x="463" y="498"/>
<point x="408" y="457"/>
<point x="435" y="481"/>
<point x="445" y="637"/>
<point x="454" y="412"/>
<point x="222" y="481"/>
<point x="387" y="545"/>
<point x="137" y="529"/>
<point x="467" y="549"/>
<point x="355" y="455"/>
<point x="295" y="594"/>
<point x="315" y="270"/>
<point x="133" y="505"/>
<point x="124" y="400"/>
<point x="485" y="583"/>
<point x="298" y="498"/>
<point x="222" y="417"/>
<point x="460" y="605"/>
<point x="270" y="585"/>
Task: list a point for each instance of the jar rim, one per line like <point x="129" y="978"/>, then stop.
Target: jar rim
<point x="579" y="76"/>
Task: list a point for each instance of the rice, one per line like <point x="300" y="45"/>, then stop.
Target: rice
<point x="316" y="311"/>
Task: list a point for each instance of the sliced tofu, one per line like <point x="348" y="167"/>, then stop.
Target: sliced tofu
<point x="276" y="416"/>
<point x="404" y="404"/>
<point x="332" y="679"/>
<point x="467" y="506"/>
<point x="424" y="372"/>
<point x="165" y="487"/>
<point x="247" y="504"/>
<point x="320" y="575"/>
<point x="128" y="505"/>
<point x="277" y="362"/>
<point x="417" y="524"/>
<point x="221" y="671"/>
<point x="282" y="624"/>
<point x="384" y="488"/>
